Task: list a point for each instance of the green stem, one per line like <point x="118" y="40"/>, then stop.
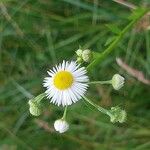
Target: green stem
<point x="38" y="98"/>
<point x="100" y="82"/>
<point x="65" y="113"/>
<point x="108" y="50"/>
<point x="99" y="108"/>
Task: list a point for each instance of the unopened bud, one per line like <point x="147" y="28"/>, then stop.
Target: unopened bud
<point x="61" y="125"/>
<point x="117" y="81"/>
<point x="79" y="52"/>
<point x="118" y="115"/>
<point x="87" y="55"/>
<point x="79" y="60"/>
<point x="35" y="108"/>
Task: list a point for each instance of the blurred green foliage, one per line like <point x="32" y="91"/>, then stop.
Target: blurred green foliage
<point x="36" y="34"/>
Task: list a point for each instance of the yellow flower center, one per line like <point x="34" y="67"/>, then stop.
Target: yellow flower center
<point x="63" y="80"/>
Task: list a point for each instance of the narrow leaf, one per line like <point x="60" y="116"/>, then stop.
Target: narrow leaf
<point x="113" y="28"/>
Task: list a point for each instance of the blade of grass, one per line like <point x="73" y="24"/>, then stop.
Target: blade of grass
<point x="68" y="41"/>
<point x="13" y="136"/>
<point x="51" y="46"/>
<point x="87" y="6"/>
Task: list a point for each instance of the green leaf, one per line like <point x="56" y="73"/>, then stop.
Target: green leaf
<point x="113" y="28"/>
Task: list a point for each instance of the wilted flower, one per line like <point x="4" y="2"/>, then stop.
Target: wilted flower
<point x="61" y="125"/>
<point x="117" y="81"/>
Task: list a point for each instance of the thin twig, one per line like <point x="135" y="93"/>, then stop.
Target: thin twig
<point x="135" y="73"/>
<point x="128" y="4"/>
<point x="15" y="137"/>
<point x="17" y="28"/>
<point x="9" y="19"/>
<point x="44" y="125"/>
<point x="47" y="128"/>
<point x="125" y="3"/>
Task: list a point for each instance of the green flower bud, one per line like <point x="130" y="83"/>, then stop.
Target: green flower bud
<point x="118" y="115"/>
<point x="79" y="60"/>
<point x="87" y="55"/>
<point x="35" y="108"/>
<point x="79" y="52"/>
<point x="84" y="55"/>
<point x="117" y="81"/>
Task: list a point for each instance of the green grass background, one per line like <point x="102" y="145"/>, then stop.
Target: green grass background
<point x="37" y="34"/>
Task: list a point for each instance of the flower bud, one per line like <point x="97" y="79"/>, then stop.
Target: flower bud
<point x="79" y="60"/>
<point x="117" y="81"/>
<point x="35" y="108"/>
<point x="79" y="52"/>
<point x="87" y="55"/>
<point x="61" y="125"/>
<point x="123" y="116"/>
<point x="118" y="115"/>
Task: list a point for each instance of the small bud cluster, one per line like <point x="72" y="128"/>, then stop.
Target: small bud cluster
<point x="84" y="55"/>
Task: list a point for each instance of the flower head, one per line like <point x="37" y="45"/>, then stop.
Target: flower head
<point x="84" y="55"/>
<point x="118" y="115"/>
<point x="61" y="125"/>
<point x="67" y="83"/>
<point x="87" y="55"/>
<point x="117" y="81"/>
<point x="35" y="108"/>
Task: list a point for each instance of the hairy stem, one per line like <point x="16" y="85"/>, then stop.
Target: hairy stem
<point x="100" y="82"/>
<point x="65" y="113"/>
<point x="110" y="49"/>
<point x="99" y="108"/>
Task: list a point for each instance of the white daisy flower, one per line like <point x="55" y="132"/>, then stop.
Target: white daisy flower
<point x="66" y="84"/>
